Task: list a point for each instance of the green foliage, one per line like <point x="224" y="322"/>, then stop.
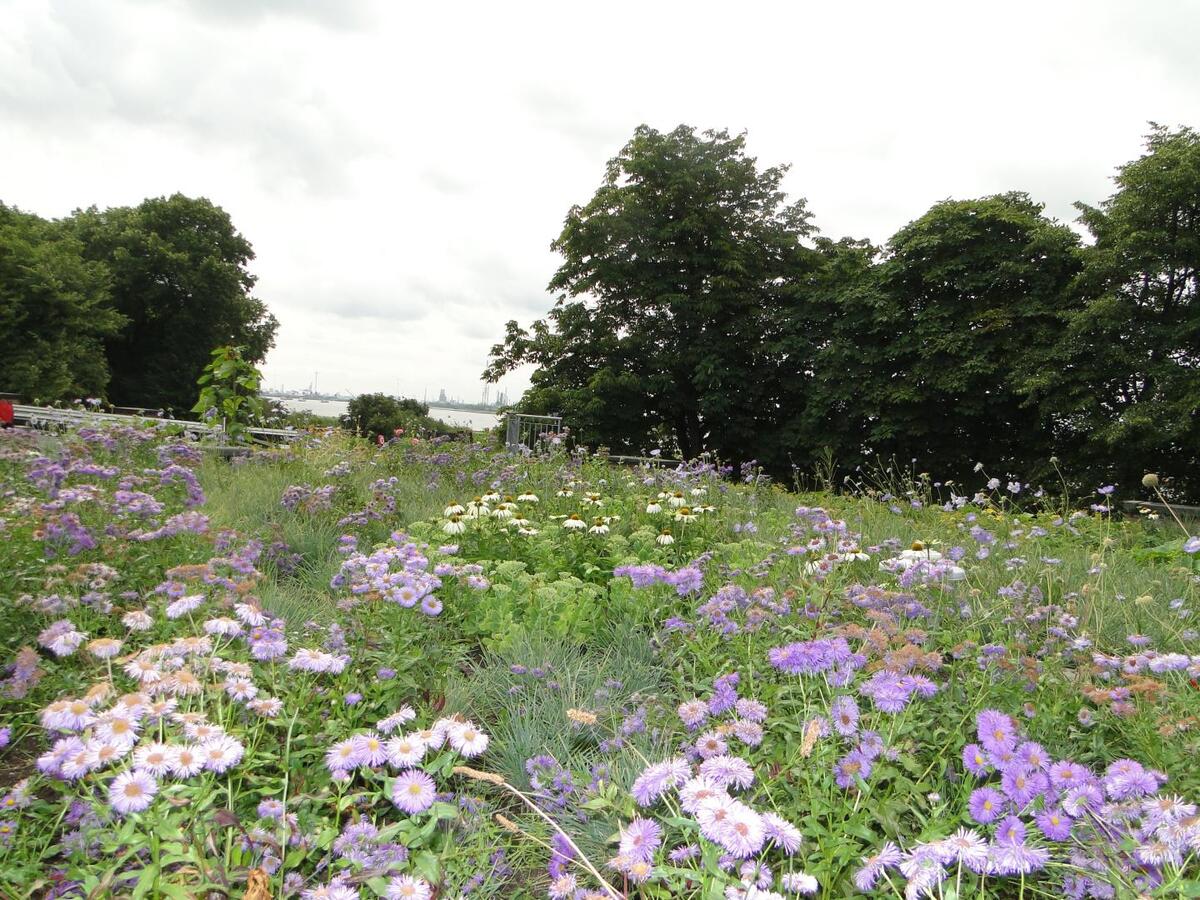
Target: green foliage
<point x="179" y="277"/>
<point x="672" y="275"/>
<point x="54" y="312"/>
<point x="373" y="415"/>
<point x="229" y="392"/>
<point x="698" y="312"/>
<point x="1125" y="384"/>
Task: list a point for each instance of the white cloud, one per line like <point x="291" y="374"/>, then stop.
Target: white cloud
<point x="402" y="170"/>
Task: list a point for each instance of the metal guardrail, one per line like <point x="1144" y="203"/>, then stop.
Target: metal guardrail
<point x="47" y="415"/>
<point x="1186" y="512"/>
<point x="524" y="430"/>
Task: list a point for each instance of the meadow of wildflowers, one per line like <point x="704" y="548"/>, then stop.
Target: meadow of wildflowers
<point x="438" y="671"/>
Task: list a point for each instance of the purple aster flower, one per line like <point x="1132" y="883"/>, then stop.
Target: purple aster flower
<point x="1011" y="831"/>
<point x="693" y="713"/>
<point x="996" y="731"/>
<point x="783" y="833"/>
<point x="975" y="760"/>
<point x="749" y="733"/>
<point x="728" y="771"/>
<point x="413" y="791"/>
<point x="1126" y="779"/>
<point x="1054" y="824"/>
<point x="844" y="713"/>
<point x="850" y="768"/>
<point x="131" y="791"/>
<point x="640" y="838"/>
<point x="874" y="865"/>
<point x="986" y="805"/>
<point x="751" y="710"/>
<point x="271" y="809"/>
<point x="1022" y="785"/>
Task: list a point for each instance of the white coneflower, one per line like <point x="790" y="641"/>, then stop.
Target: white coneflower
<point x="76" y="764"/>
<point x="527" y="498"/>
<point x="490" y="497"/>
<point x="599" y="526"/>
<point x="137" y="620"/>
<point x="677" y="500"/>
<point x="221" y="753"/>
<point x="593" y="499"/>
<point x="202" y="731"/>
<point x="68" y="715"/>
<point x="267" y="707"/>
<point x="573" y="522"/>
<point x="406" y="750"/>
<point x="504" y="511"/>
<point x="185" y="761"/>
<point x="101" y="753"/>
<point x="250" y="614"/>
<point x="699" y="491"/>
<point x="455" y="525"/>
<point x="468" y="739"/>
<point x="117" y="728"/>
<point x="104" y="648"/>
<point x="134" y="703"/>
<point x="653" y="508"/>
<point x="241" y="689"/>
<point x="706" y="508"/>
<point x="153" y="758"/>
<point x="224" y="626"/>
<point x="390" y="723"/>
<point x="454" y="509"/>
<point x="159" y="709"/>
<point x="565" y="492"/>
<point x="184" y="684"/>
<point x="131" y="792"/>
<point x="434" y="737"/>
<point x="665" y="539"/>
<point x="179" y="608"/>
<point x="527" y="532"/>
<point x="520" y="522"/>
<point x="685" y="514"/>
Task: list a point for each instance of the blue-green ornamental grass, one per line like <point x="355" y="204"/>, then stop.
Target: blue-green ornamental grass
<point x="436" y="671"/>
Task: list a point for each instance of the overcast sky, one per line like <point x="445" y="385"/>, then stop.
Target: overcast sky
<point x="401" y="169"/>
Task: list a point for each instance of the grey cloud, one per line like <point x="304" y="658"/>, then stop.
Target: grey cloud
<point x="339" y="14"/>
<point x="87" y="69"/>
<point x="567" y="114"/>
<point x="393" y="304"/>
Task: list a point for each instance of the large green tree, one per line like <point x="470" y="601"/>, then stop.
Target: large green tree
<point x="1124" y="378"/>
<point x="179" y="277"/>
<point x="673" y="275"/>
<point x="54" y="313"/>
<point x="965" y="296"/>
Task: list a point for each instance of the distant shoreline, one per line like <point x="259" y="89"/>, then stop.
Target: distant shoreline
<point x="477" y="420"/>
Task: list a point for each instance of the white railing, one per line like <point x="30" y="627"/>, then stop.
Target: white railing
<point x="47" y="416"/>
<point x="525" y="430"/>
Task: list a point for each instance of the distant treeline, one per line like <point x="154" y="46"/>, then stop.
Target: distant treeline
<point x="699" y="310"/>
<point x="124" y="304"/>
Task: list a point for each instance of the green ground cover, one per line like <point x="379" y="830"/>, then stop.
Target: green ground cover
<point x="432" y="670"/>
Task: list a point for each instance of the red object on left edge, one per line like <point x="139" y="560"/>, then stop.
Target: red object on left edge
<point x="6" y="413"/>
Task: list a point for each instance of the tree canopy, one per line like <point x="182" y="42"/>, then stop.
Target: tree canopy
<point x="698" y="309"/>
<point x="125" y="304"/>
<point x="179" y="278"/>
<point x="55" y="311"/>
<point x="672" y="275"/>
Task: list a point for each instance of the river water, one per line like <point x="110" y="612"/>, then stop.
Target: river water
<point x="474" y="420"/>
